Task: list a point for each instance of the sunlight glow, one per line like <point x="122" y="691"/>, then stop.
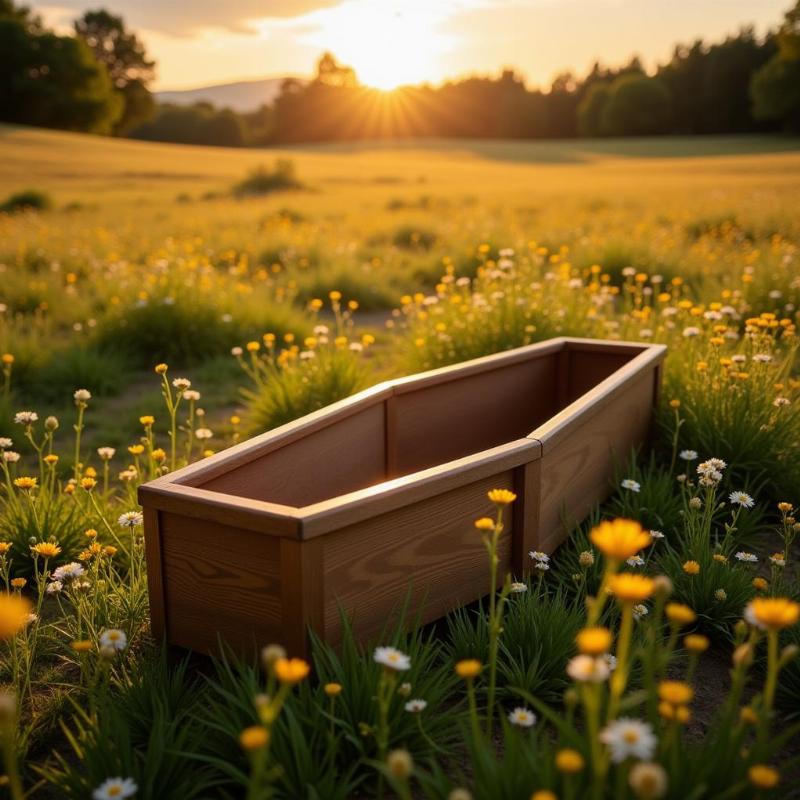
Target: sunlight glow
<point x="388" y="43"/>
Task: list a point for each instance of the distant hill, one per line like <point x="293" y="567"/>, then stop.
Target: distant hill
<point x="240" y="96"/>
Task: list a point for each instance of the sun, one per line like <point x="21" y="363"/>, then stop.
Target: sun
<point x="388" y="43"/>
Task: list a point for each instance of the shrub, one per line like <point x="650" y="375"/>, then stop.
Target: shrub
<point x="261" y="180"/>
<point x="27" y="200"/>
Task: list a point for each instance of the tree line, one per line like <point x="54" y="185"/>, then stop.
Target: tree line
<point x="97" y="80"/>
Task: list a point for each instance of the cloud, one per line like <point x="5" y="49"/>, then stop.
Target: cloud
<point x="185" y="17"/>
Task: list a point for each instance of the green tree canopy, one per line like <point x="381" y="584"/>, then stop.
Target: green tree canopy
<point x="637" y="106"/>
<point x="124" y="56"/>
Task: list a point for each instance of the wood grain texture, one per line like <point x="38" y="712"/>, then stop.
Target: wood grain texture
<point x="348" y="454"/>
<point x="429" y="550"/>
<point x="302" y="596"/>
<point x="446" y="421"/>
<point x="220" y="581"/>
<point x="577" y="472"/>
<point x="527" y="515"/>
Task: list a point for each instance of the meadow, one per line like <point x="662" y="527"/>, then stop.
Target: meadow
<point x="166" y="301"/>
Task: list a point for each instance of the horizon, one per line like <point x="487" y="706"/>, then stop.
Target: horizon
<point x="453" y="38"/>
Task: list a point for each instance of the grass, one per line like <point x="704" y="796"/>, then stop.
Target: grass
<point x="396" y="257"/>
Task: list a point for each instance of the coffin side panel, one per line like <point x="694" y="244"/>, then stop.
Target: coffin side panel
<point x="428" y="551"/>
<point x="576" y="472"/>
<point x="587" y="368"/>
<point x="346" y="455"/>
<point x="219" y="581"/>
<point x="460" y="416"/>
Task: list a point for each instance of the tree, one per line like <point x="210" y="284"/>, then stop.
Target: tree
<point x="125" y="59"/>
<point x="775" y="88"/>
<point x="49" y="80"/>
<point x="592" y="109"/>
<point x="637" y="106"/>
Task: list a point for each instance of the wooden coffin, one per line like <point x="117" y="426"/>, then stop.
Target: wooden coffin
<point x="354" y="505"/>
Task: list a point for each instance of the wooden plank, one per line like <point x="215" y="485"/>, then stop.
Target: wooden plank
<point x="339" y="512"/>
<point x="253" y="515"/>
<point x="302" y="594"/>
<point x="220" y="581"/>
<point x="576" y="472"/>
<point x="155" y="578"/>
<point x="465" y="415"/>
<point x="346" y="455"/>
<point x="428" y="552"/>
<point x="527" y="515"/>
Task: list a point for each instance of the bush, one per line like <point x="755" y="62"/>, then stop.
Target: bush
<point x="261" y="180"/>
<point x="27" y="200"/>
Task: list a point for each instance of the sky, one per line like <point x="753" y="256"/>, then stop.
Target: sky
<point x="393" y="42"/>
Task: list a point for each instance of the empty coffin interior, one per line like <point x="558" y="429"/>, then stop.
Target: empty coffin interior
<point x="421" y="423"/>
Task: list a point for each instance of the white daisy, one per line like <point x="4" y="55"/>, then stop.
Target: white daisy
<point x="741" y="499"/>
<point x="586" y="669"/>
<point x="631" y="485"/>
<point x="537" y="555"/>
<point x="115" y="789"/>
<point x="54" y="587"/>
<point x="182" y="384"/>
<point x="10" y="457"/>
<point x="522" y="717"/>
<point x="114" y="639"/>
<point x="130" y="519"/>
<point x="688" y="455"/>
<point x="82" y="396"/>
<point x="392" y="658"/>
<point x="640" y="611"/>
<point x="415" y="706"/>
<point x="656" y="535"/>
<point x="749" y="558"/>
<point x="68" y="571"/>
<point x="203" y="433"/>
<point x="629" y="738"/>
<point x="517" y="587"/>
<point x="635" y="561"/>
<point x="721" y="595"/>
<point x="106" y="453"/>
<point x="778" y="560"/>
<point x="25" y="417"/>
<point x="5" y="443"/>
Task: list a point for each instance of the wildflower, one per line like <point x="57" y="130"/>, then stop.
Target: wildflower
<point x="772" y="613"/>
<point x="203" y="433"/>
<point x="484" y="524"/>
<point x="586" y="558"/>
<point x="106" y="453"/>
<point x="763" y="777"/>
<point x="82" y="396"/>
<point x="760" y="584"/>
<point x="695" y="503"/>
<point x="115" y="789"/>
<point x="88" y="484"/>
<point x="159" y="456"/>
<point x="182" y="384"/>
<point x="778" y="560"/>
<point x="254" y="738"/>
<point x="5" y="547"/>
<point x="783" y="506"/>
<point x="518" y="588"/>
<point x="749" y="558"/>
<point x="468" y="669"/>
<point x="54" y="587"/>
<point x="130" y="519"/>
<point x="648" y="780"/>
<point x="748" y="715"/>
<point x="459" y="794"/>
<point x="25" y="417"/>
<point x="333" y="689"/>
<point x="46" y="549"/>
<point x="720" y="558"/>
<point x="688" y="455"/>
<point x="400" y="764"/>
<point x="522" y="717"/>
<point x="114" y="638"/>
<point x="14" y="612"/>
<point x="543" y="794"/>
<point x="542" y="566"/>
<point x="635" y="561"/>
<point x="569" y="761"/>
<point x="10" y="457"/>
<point x="640" y="611"/>
<point x="81" y="645"/>
<point x="51" y="423"/>
<point x="691" y="567"/>
<point x="631" y="485"/>
<point x="19" y="583"/>
<point x="415" y="706"/>
<point x="679" y="614"/>
<point x="721" y="595"/>
<point x="291" y="670"/>
<point x="110" y="550"/>
<point x="5" y="443"/>
<point x="404" y="689"/>
<point x="68" y="571"/>
<point x="780" y="402"/>
<point x="691" y="331"/>
<point x="537" y="555"/>
<point x="656" y="535"/>
<point x="594" y="641"/>
<point x="676" y="693"/>
<point x="629" y="738"/>
<point x="391" y="658"/>
<point x="501" y="497"/>
<point x="696" y="643"/>
<point x="25" y="483"/>
<point x="136" y="449"/>
<point x="627" y="587"/>
<point x="620" y="538"/>
<point x="741" y="499"/>
<point x="587" y="669"/>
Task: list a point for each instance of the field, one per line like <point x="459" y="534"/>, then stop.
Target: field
<point x="385" y="259"/>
